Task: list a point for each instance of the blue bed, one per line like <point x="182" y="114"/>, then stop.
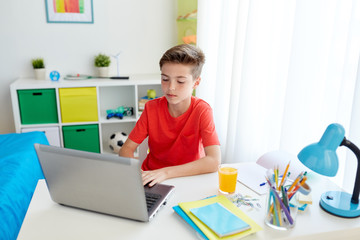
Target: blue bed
<point x="19" y="173"/>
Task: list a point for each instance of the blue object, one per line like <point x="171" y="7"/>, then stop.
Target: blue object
<point x="325" y="149"/>
<point x="19" y="173"/>
<point x="110" y="115"/>
<point x="220" y="219"/>
<point x="147" y="98"/>
<point x="118" y="115"/>
<point x="54" y="76"/>
<point x="321" y="157"/>
<point x="301" y="208"/>
<point x="119" y="112"/>
<point x="182" y="214"/>
<point x="339" y="203"/>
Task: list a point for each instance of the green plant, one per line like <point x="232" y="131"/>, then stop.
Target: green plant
<point x="102" y="60"/>
<point x="38" y="63"/>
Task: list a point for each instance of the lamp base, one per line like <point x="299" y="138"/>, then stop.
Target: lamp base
<point x="339" y="204"/>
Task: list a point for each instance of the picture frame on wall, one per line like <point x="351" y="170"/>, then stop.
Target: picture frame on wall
<point x="69" y="11"/>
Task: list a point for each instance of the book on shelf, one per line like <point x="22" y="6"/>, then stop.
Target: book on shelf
<point x="186" y="207"/>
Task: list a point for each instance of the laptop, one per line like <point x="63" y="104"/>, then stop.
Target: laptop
<point x="103" y="183"/>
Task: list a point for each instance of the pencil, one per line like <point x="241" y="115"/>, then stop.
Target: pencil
<point x="295" y="182"/>
<point x="286" y="211"/>
<point x="276" y="177"/>
<point x="279" y="211"/>
<point x="275" y="213"/>
<point x="284" y="175"/>
<point x="287" y="176"/>
<point x="270" y="207"/>
<point x="284" y="196"/>
<point x="298" y="186"/>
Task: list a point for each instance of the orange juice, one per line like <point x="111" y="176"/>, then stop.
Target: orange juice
<point x="227" y="179"/>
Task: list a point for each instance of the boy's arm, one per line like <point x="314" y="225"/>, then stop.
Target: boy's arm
<point x="207" y="164"/>
<point x="128" y="149"/>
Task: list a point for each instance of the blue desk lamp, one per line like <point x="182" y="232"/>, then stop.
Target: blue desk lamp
<point x="321" y="158"/>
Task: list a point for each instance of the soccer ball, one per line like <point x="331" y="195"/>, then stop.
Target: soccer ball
<point x="117" y="140"/>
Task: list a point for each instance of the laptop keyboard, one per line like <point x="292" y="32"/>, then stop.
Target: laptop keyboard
<point x="151" y="199"/>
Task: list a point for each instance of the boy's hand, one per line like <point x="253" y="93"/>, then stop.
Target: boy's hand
<point x="154" y="176"/>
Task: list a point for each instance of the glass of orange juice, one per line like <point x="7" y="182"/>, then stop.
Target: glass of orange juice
<point x="227" y="179"/>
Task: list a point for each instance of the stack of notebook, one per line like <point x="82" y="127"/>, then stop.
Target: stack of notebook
<point x="216" y="218"/>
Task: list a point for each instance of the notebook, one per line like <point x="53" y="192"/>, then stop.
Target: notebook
<point x="103" y="183"/>
<point x="186" y="206"/>
<point x="219" y="219"/>
<point x="184" y="216"/>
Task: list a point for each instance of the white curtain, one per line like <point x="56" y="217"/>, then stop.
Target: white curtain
<point x="278" y="72"/>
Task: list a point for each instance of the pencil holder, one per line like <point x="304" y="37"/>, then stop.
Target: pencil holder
<point x="281" y="209"/>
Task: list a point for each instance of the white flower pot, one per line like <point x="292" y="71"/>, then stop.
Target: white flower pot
<point x="40" y="73"/>
<point x="103" y="71"/>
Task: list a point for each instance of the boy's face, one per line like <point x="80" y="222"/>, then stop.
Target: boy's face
<point x="177" y="83"/>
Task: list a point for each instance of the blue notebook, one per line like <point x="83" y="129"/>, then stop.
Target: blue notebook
<point x="182" y="214"/>
<point x="220" y="219"/>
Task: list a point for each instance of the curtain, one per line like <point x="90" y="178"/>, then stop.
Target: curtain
<point x="278" y="72"/>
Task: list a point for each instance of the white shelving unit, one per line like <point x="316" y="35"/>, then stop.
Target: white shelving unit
<point x="110" y="94"/>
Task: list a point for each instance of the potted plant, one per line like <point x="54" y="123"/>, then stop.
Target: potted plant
<point x="102" y="63"/>
<point x="39" y="68"/>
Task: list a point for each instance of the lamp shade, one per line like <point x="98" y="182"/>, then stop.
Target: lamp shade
<point x="321" y="157"/>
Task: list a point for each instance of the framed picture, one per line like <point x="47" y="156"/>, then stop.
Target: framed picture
<point x="69" y="11"/>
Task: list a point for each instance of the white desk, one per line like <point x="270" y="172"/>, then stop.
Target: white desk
<point x="48" y="220"/>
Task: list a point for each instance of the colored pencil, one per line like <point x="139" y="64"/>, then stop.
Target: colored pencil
<point x="284" y="175"/>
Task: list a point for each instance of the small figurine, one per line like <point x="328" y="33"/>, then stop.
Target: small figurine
<point x="151" y="93"/>
<point x="119" y="112"/>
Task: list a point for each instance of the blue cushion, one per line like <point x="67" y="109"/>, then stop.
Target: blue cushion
<point x="19" y="172"/>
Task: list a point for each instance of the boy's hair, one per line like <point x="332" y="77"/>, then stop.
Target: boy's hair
<point x="185" y="54"/>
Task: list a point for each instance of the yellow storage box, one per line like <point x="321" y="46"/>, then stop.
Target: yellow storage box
<point x="78" y="104"/>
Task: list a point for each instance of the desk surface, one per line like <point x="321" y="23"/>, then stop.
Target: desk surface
<point x="48" y="220"/>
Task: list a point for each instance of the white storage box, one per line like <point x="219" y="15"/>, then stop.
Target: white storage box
<point x="51" y="133"/>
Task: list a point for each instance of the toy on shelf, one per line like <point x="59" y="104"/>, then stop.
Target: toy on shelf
<point x="117" y="140"/>
<point x="151" y="94"/>
<point x="119" y="112"/>
<point x="54" y="76"/>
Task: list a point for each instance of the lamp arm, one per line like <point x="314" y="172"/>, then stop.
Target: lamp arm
<point x="356" y="151"/>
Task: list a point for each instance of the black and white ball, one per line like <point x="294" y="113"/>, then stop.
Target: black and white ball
<point x="117" y="140"/>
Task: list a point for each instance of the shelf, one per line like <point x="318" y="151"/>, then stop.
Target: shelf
<point x="78" y="123"/>
<point x="38" y="125"/>
<point x="108" y="129"/>
<point x="104" y="120"/>
<point x="110" y="94"/>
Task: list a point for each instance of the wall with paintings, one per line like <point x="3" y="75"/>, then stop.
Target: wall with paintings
<point x="186" y="21"/>
<point x="142" y="30"/>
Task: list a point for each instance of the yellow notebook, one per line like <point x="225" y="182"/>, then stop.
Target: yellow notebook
<point x="186" y="206"/>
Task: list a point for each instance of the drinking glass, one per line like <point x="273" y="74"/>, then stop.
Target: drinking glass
<point x="227" y="179"/>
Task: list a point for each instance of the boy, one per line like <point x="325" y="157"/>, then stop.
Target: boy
<point x="182" y="137"/>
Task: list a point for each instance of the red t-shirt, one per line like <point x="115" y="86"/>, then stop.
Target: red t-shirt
<point x="175" y="141"/>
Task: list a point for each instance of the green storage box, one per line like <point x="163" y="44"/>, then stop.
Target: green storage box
<point x="82" y="137"/>
<point x="37" y="106"/>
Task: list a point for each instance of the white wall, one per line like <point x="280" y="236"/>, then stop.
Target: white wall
<point x="141" y="29"/>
